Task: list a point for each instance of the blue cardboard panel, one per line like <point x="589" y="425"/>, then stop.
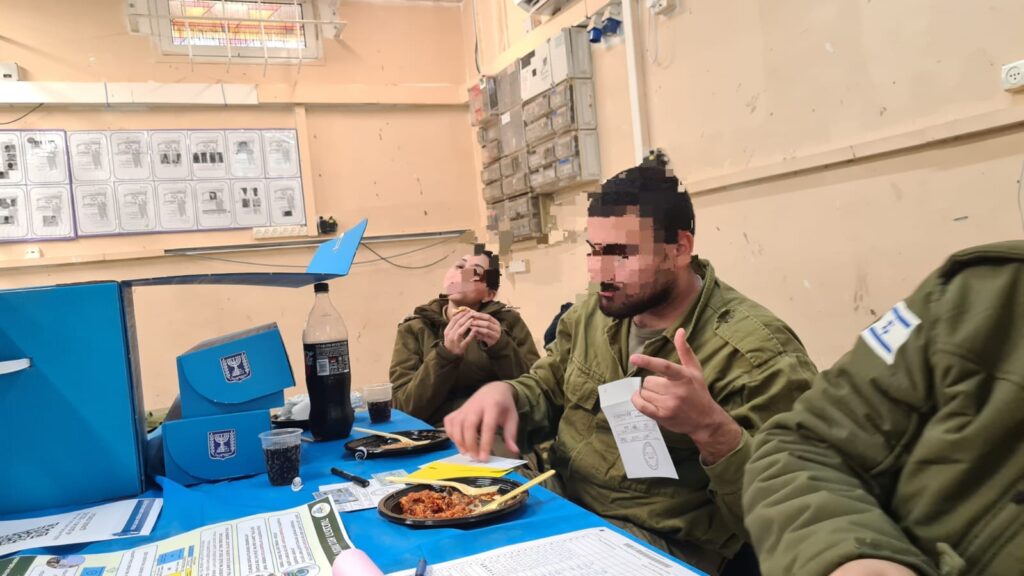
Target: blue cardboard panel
<point x="214" y="448"/>
<point x="238" y="372"/>
<point x="69" y="420"/>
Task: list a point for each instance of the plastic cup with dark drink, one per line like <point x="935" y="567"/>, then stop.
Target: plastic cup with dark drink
<point x="282" y="449"/>
<point x="378" y="402"/>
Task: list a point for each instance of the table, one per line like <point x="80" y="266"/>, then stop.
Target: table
<point x="392" y="546"/>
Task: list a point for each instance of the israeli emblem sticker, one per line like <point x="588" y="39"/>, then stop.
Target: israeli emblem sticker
<point x="235" y="367"/>
<point x="222" y="444"/>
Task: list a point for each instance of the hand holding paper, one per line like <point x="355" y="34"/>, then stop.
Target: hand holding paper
<point x="678" y="399"/>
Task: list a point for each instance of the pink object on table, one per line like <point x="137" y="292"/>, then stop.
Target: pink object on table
<point x="353" y="562"/>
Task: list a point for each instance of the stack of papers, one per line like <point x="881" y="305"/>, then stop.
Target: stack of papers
<point x="460" y="466"/>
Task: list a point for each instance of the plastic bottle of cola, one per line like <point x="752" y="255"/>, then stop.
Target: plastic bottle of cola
<point x="328" y="376"/>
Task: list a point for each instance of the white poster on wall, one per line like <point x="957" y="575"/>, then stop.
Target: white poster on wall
<point x="51" y="211"/>
<point x="250" y="202"/>
<point x="176" y="205"/>
<point x="130" y="151"/>
<point x="245" y="155"/>
<point x="207" y="149"/>
<point x="94" y="204"/>
<point x="45" y="158"/>
<point x="12" y="165"/>
<point x="90" y="156"/>
<point x="281" y="153"/>
<point x="13" y="212"/>
<point x="170" y="157"/>
<point x="136" y="206"/>
<point x="286" y="207"/>
<point x="213" y="203"/>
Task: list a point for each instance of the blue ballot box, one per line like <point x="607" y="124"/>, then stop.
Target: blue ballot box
<point x="214" y="448"/>
<point x="72" y="414"/>
<point x="239" y="372"/>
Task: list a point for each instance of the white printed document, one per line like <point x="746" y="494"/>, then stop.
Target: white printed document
<point x="641" y="445"/>
<point x="106" y="522"/>
<point x="591" y="552"/>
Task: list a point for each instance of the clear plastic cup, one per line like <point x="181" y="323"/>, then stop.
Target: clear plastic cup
<point x="378" y="402"/>
<point x="282" y="450"/>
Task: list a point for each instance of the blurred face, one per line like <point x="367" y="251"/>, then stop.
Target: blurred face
<point x="464" y="282"/>
<point x="632" y="272"/>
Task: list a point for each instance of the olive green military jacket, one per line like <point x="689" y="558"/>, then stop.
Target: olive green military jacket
<point x="754" y="365"/>
<point x="910" y="448"/>
<point x="429" y="381"/>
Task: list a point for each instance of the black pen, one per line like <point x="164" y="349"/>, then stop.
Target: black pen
<point x="357" y="479"/>
<point x="421" y="568"/>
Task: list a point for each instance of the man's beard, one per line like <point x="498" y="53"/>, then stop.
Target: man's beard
<point x="643" y="303"/>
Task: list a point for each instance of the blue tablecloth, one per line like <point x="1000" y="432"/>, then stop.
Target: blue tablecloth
<point x="392" y="546"/>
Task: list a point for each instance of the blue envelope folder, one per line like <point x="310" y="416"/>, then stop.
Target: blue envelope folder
<point x="240" y="372"/>
<point x="214" y="448"/>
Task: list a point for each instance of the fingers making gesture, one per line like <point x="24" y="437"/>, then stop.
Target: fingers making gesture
<point x="677" y="398"/>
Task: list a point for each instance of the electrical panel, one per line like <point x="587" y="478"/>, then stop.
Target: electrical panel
<point x="563" y="147"/>
<point x="542" y="136"/>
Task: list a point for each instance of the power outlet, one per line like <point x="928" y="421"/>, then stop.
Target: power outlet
<point x="661" y="7"/>
<point x="518" y="267"/>
<point x="265" y="232"/>
<point x="1013" y="76"/>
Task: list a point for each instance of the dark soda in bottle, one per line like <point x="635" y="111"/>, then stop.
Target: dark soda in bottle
<point x="328" y="374"/>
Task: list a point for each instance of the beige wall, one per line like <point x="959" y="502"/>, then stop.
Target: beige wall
<point x="797" y="90"/>
<point x="741" y="90"/>
<point x="407" y="168"/>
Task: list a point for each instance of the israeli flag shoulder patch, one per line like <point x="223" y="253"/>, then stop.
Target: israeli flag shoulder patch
<point x="891" y="331"/>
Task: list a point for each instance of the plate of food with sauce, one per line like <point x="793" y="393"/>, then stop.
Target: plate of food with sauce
<point x="445" y="506"/>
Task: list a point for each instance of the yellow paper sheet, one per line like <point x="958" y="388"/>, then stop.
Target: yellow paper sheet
<point x="439" y="471"/>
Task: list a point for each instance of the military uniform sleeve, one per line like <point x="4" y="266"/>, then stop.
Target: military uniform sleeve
<point x="422" y="372"/>
<point x="820" y="475"/>
<point x="770" y="390"/>
<point x="539" y="395"/>
<point x="514" y="352"/>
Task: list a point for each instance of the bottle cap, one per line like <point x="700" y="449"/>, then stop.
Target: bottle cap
<point x="321" y="287"/>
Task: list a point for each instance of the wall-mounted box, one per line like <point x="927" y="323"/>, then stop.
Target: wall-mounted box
<point x="483" y="100"/>
<point x="570" y="55"/>
<point x="490" y="173"/>
<point x="507" y="81"/>
<point x="491" y="152"/>
<point x="514" y="164"/>
<point x="516" y="185"/>
<point x="9" y="71"/>
<point x="512" y="131"/>
<point x="492" y="192"/>
<point x="488" y="132"/>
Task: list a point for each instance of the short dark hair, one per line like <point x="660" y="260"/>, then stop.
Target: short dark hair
<point x="492" y="276"/>
<point x="653" y="191"/>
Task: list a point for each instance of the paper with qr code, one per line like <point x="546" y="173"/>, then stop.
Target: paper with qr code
<point x="107" y="522"/>
<point x="348" y="497"/>
<point x="304" y="540"/>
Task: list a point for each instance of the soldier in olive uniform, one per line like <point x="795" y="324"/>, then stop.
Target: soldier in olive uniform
<point x="907" y="456"/>
<point x="715" y="366"/>
<point x="454" y="344"/>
